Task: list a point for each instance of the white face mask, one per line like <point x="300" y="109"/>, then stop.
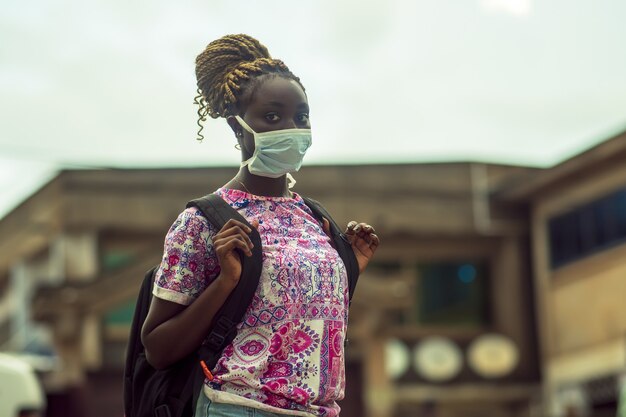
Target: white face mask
<point x="277" y="152"/>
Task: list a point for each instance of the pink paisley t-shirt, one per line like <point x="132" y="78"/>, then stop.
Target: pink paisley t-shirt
<point x="288" y="354"/>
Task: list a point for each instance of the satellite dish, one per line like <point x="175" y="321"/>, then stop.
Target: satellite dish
<point x="493" y="356"/>
<point x="438" y="359"/>
<point x="397" y="358"/>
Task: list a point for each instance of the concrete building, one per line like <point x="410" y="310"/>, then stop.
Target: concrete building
<point x="443" y="322"/>
<point x="578" y="234"/>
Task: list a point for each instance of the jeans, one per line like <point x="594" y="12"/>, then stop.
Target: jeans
<point x="208" y="408"/>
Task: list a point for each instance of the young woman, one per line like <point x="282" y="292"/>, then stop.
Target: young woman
<point x="287" y="357"/>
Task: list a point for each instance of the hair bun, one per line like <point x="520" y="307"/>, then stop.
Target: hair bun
<point x="249" y="48"/>
<point x="222" y="56"/>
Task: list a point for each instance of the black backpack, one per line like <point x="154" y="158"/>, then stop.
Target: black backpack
<point x="173" y="392"/>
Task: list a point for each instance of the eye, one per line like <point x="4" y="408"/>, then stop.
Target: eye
<point x="302" y="118"/>
<point x="272" y="117"/>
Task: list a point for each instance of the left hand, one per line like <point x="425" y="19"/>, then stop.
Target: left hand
<point x="363" y="239"/>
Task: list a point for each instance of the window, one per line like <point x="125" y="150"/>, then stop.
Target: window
<point x="619" y="207"/>
<point x="114" y="260"/>
<point x="121" y="315"/>
<point x="588" y="229"/>
<point x="453" y="293"/>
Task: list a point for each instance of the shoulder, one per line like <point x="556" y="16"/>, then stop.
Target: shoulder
<point x="191" y="221"/>
<point x="191" y="215"/>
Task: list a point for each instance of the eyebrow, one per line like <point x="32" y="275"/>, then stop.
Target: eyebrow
<point x="281" y="104"/>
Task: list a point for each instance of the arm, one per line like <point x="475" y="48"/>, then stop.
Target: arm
<point x="172" y="331"/>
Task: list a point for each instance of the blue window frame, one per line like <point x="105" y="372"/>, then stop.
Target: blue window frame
<point x="588" y="229"/>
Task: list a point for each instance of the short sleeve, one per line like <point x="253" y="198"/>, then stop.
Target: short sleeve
<point x="189" y="261"/>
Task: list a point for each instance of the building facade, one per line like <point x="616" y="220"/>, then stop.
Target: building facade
<point x="578" y="234"/>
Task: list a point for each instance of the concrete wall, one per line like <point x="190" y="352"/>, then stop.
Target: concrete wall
<point x="581" y="306"/>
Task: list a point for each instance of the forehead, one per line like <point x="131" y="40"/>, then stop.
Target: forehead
<point x="279" y="90"/>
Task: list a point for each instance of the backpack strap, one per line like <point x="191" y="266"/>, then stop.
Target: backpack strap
<point x="343" y="246"/>
<point x="224" y="327"/>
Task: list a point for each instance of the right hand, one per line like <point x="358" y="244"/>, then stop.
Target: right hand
<point x="234" y="235"/>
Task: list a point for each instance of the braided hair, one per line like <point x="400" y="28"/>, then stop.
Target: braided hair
<point x="228" y="71"/>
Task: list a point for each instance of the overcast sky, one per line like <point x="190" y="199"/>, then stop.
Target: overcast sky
<point x="101" y="83"/>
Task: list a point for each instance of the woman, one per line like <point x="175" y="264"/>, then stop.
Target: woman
<point x="285" y="359"/>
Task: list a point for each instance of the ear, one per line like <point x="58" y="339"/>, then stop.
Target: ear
<point x="235" y="126"/>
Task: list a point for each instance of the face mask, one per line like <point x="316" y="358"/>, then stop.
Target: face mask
<point x="277" y="152"/>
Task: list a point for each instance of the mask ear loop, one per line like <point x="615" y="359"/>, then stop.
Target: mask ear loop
<point x="291" y="181"/>
<point x="249" y="129"/>
<point x="245" y="125"/>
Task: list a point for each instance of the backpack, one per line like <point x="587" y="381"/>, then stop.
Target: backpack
<point x="173" y="391"/>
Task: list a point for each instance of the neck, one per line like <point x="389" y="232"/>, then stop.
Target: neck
<point x="257" y="185"/>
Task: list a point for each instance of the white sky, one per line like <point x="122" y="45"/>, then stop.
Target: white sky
<point x="101" y="83"/>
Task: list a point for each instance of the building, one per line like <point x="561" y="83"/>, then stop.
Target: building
<point x="578" y="234"/>
<point x="443" y="323"/>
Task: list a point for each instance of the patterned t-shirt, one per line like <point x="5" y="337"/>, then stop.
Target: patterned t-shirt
<point x="288" y="354"/>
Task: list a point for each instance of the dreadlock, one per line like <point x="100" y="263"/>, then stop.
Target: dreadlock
<point x="228" y="71"/>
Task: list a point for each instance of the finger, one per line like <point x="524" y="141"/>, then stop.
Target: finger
<point x="222" y="240"/>
<point x="369" y="242"/>
<point x="371" y="238"/>
<point x="219" y="244"/>
<point x="350" y="228"/>
<point x="222" y="246"/>
<point x="368" y="229"/>
<point x="365" y="231"/>
<point x="360" y="230"/>
<point x="231" y="246"/>
<point x="232" y="223"/>
<point x="360" y="227"/>
<point x="234" y="231"/>
<point x="255" y="223"/>
<point x="367" y="239"/>
<point x="374" y="240"/>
